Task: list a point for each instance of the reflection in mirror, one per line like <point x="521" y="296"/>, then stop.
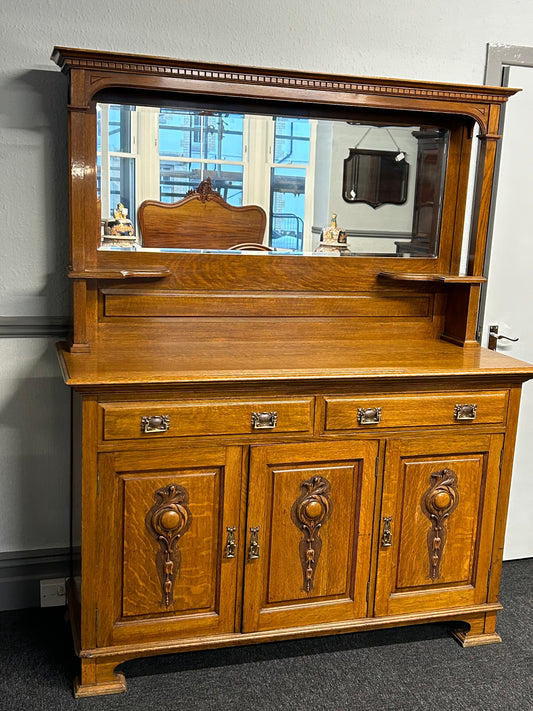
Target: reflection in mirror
<point x="293" y="167"/>
<point x="375" y="177"/>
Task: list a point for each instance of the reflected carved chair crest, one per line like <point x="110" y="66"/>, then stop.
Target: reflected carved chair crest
<point x="201" y="220"/>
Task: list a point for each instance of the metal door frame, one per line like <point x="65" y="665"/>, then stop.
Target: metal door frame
<point x="499" y="60"/>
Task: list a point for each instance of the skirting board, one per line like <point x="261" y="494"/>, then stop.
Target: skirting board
<point x="33" y="327"/>
<point x="22" y="571"/>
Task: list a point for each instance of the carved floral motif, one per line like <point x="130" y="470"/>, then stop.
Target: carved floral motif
<point x="438" y="502"/>
<point x="309" y="513"/>
<point x="167" y="521"/>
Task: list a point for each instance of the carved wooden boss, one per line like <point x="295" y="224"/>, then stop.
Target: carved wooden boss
<point x="272" y="445"/>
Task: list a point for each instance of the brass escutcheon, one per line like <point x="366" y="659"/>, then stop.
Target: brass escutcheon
<point x="231" y="544"/>
<point x="253" y="550"/>
<point x="386" y="537"/>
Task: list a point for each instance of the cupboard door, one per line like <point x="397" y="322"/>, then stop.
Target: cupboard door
<point x="165" y="571"/>
<point x="309" y="527"/>
<point x="437" y="522"/>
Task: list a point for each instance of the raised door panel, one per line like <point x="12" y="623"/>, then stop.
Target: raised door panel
<point x="437" y="522"/>
<point x="163" y="554"/>
<point x="310" y="513"/>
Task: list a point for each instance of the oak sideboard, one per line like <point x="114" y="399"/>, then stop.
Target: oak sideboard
<point x="288" y="442"/>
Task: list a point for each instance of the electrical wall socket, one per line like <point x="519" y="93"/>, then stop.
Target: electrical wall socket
<point x="53" y="592"/>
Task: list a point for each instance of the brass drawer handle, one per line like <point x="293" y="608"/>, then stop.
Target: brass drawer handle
<point x="155" y="423"/>
<point x="231" y="545"/>
<point x="264" y="420"/>
<point x="253" y="550"/>
<point x="369" y="415"/>
<point x="386" y="536"/>
<point x="465" y="412"/>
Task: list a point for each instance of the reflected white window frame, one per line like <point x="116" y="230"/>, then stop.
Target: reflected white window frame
<point x="105" y="160"/>
<point x="308" y="168"/>
<point x="204" y="162"/>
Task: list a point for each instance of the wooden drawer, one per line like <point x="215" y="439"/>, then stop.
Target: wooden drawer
<point x="206" y="417"/>
<point x="414" y="410"/>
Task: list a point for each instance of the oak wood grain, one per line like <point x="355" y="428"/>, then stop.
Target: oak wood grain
<point x="273" y="586"/>
<point x="130" y="590"/>
<point x="404" y="581"/>
<point x="210" y="417"/>
<point x="130" y="303"/>
<point x="417" y="410"/>
<point x="272" y="351"/>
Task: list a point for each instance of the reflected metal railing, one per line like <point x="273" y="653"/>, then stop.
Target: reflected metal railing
<point x="286" y="231"/>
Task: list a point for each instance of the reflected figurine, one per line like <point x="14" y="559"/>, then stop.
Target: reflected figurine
<point x="119" y="229"/>
<point x="332" y="239"/>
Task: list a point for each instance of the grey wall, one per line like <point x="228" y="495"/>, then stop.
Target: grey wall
<point x="421" y="40"/>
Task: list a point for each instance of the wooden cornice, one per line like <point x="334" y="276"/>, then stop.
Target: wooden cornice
<point x="108" y="69"/>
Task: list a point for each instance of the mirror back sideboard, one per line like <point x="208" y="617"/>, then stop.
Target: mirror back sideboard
<point x="270" y="446"/>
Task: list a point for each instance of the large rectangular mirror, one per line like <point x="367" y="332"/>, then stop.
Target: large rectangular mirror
<point x="294" y="167"/>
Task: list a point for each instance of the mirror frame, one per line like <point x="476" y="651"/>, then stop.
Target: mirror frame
<point x="93" y="74"/>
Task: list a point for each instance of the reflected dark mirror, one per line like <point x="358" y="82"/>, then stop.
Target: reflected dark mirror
<point x="375" y="177"/>
<point x="292" y="166"/>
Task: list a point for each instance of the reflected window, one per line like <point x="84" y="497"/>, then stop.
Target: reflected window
<point x="116" y="158"/>
<point x="216" y="143"/>
<point x="288" y="178"/>
<point x="299" y="170"/>
<point x="291" y="140"/>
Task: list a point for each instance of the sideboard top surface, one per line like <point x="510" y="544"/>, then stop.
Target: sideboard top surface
<point x="218" y="357"/>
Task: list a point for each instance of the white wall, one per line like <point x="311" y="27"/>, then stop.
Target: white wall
<point x="422" y="40"/>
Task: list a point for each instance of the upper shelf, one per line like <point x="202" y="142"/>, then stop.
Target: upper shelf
<point x="443" y="278"/>
<point x="153" y="273"/>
